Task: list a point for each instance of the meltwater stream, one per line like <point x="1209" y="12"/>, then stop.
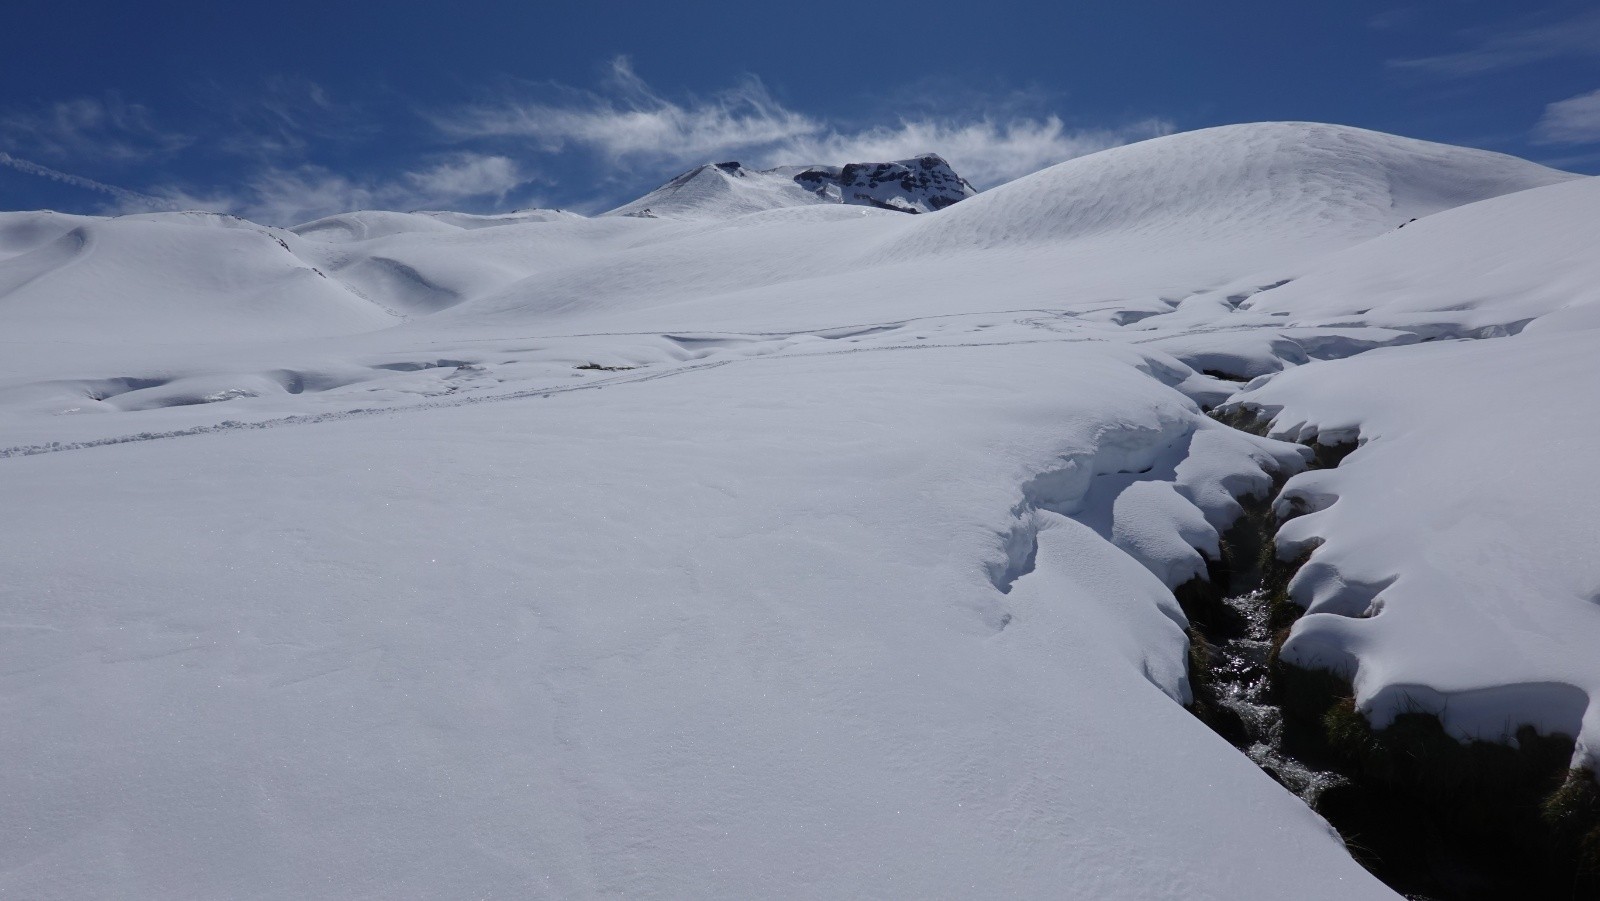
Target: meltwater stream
<point x="1242" y="683"/>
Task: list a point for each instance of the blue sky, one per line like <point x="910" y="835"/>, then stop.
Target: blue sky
<point x="284" y="111"/>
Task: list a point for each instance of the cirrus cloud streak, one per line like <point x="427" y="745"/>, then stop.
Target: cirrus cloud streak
<point x="628" y="124"/>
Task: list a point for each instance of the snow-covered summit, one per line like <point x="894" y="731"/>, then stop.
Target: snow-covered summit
<point x="1278" y="179"/>
<point x="919" y="185"/>
<point x="724" y="190"/>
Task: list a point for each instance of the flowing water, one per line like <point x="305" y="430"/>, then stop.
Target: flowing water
<point x="1242" y="681"/>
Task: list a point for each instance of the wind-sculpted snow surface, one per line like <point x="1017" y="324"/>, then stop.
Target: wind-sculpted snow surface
<point x="778" y="550"/>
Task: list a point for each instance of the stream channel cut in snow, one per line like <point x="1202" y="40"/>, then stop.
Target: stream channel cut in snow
<point x="771" y="538"/>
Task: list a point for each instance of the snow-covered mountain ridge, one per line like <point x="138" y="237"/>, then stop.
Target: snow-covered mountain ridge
<point x="722" y="190"/>
<point x="774" y="544"/>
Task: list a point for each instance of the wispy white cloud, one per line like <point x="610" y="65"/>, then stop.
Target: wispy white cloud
<point x="122" y="196"/>
<point x="290" y="195"/>
<point x="285" y="121"/>
<point x="89" y="129"/>
<point x="276" y="131"/>
<point x="631" y="120"/>
<point x="629" y="123"/>
<point x="1392" y="19"/>
<point x="466" y="175"/>
<point x="1575" y="120"/>
<point x="1511" y="47"/>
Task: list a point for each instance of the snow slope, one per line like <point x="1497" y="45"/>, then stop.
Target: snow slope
<point x="1497" y="265"/>
<point x="773" y="550"/>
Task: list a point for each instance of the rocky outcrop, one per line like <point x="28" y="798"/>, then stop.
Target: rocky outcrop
<point x="919" y="185"/>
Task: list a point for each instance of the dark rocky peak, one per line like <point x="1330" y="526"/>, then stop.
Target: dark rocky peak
<point x="918" y="185"/>
<point x="722" y="190"/>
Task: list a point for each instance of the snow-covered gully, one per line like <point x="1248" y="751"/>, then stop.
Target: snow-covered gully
<point x="1435" y="817"/>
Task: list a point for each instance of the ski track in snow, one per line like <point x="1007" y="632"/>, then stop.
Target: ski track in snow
<point x="854" y="330"/>
<point x="521" y="394"/>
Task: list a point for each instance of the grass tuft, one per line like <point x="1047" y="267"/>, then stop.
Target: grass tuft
<point x="1573" y="813"/>
<point x="1245" y="419"/>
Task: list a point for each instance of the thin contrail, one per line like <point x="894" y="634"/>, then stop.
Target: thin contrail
<point x="31" y="168"/>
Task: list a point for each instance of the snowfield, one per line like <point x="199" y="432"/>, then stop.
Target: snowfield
<point x="771" y="545"/>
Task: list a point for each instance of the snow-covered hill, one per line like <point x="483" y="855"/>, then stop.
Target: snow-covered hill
<point x="775" y="543"/>
<point x="1284" y="187"/>
<point x="165" y="278"/>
